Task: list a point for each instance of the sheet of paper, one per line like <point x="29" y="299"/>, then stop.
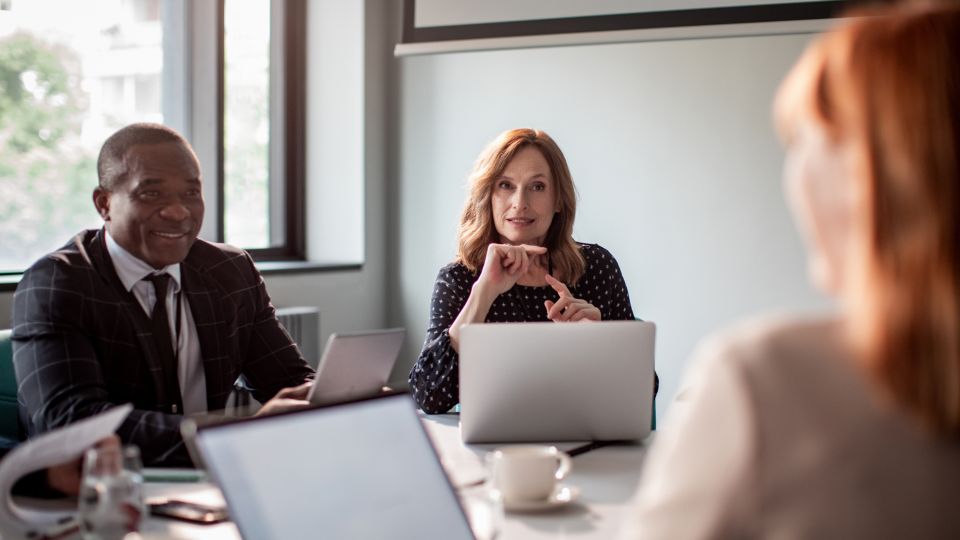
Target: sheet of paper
<point x="59" y="446"/>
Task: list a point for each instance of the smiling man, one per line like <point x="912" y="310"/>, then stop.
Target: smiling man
<point x="142" y="311"/>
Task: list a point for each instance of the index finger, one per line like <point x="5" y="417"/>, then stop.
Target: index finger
<point x="533" y="250"/>
<point x="557" y="285"/>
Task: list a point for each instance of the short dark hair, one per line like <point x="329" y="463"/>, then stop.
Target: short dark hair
<point x="109" y="163"/>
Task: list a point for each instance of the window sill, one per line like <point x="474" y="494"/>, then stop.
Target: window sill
<point x="8" y="282"/>
<point x="272" y="268"/>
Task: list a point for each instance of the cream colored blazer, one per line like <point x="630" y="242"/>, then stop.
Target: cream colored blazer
<point x="777" y="434"/>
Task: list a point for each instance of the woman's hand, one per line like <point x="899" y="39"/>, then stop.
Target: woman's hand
<point x="567" y="308"/>
<point x="505" y="265"/>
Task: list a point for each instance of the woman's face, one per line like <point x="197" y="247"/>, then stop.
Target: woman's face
<point x="524" y="199"/>
<point x="821" y="193"/>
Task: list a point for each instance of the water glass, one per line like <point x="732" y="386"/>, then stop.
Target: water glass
<point x="111" y="493"/>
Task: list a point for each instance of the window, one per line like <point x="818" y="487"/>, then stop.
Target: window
<point x="246" y="117"/>
<point x="71" y="73"/>
<point x="263" y="136"/>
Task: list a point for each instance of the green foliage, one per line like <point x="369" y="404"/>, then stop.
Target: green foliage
<point x="38" y="100"/>
<point x="46" y="175"/>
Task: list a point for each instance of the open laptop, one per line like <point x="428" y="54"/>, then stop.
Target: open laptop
<point x="590" y="381"/>
<point x="355" y="470"/>
<point x="355" y="365"/>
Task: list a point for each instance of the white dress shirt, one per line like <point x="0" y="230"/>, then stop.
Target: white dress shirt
<point x="132" y="271"/>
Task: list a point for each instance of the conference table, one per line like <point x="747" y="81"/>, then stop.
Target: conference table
<point x="606" y="476"/>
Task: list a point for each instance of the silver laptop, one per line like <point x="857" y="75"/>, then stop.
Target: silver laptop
<point x="357" y="470"/>
<point x="355" y="365"/>
<point x="590" y="381"/>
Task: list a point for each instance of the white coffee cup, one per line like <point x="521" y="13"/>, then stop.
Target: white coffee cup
<point x="527" y="472"/>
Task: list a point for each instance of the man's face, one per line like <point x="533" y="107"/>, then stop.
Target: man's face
<point x="155" y="210"/>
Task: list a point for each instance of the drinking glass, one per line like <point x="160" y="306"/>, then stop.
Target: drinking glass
<point x="111" y="493"/>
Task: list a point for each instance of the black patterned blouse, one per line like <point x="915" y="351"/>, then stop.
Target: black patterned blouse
<point x="434" y="378"/>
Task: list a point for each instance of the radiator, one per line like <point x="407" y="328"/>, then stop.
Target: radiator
<point x="303" y="324"/>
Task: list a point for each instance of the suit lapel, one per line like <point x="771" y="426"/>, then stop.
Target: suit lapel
<point x="207" y="307"/>
<point x="130" y="308"/>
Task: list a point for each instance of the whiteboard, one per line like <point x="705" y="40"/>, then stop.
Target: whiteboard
<point x="433" y="26"/>
<point x="462" y="12"/>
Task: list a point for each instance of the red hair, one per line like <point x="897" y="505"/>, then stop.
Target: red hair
<point x="887" y="85"/>
<point x="477" y="229"/>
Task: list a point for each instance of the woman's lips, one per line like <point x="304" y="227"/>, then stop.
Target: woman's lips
<point x="520" y="221"/>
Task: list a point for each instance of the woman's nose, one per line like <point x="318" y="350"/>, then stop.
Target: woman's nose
<point x="519" y="199"/>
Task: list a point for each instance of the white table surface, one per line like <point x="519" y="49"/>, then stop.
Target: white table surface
<point x="607" y="478"/>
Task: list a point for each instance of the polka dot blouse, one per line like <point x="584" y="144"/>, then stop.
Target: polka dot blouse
<point x="434" y="378"/>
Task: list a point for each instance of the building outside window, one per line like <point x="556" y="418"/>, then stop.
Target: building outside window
<point x="246" y="130"/>
<point x="72" y="73"/>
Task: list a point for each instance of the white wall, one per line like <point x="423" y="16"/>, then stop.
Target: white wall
<point x="673" y="152"/>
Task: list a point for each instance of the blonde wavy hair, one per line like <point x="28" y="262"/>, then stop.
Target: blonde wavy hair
<point x="888" y="85"/>
<point x="477" y="229"/>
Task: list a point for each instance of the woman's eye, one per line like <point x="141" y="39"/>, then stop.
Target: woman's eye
<point x="504" y="185"/>
<point x="149" y="194"/>
<point x="538" y="187"/>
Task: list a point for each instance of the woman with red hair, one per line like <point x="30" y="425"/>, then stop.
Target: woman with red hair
<point x="517" y="260"/>
<point x="846" y="427"/>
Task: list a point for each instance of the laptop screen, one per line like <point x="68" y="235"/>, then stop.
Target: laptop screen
<point x="364" y="469"/>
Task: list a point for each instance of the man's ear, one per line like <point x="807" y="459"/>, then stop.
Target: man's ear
<point x="101" y="200"/>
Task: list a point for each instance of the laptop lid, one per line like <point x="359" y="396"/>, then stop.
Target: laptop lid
<point x="590" y="381"/>
<point x="355" y="365"/>
<point x="356" y="470"/>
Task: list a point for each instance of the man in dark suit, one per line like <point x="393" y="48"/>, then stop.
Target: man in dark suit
<point x="143" y="311"/>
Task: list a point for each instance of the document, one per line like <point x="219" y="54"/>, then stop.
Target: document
<point x="59" y="446"/>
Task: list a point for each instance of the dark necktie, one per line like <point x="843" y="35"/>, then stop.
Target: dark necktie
<point x="164" y="342"/>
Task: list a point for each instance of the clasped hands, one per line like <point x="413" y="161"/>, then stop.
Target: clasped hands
<point x="507" y="265"/>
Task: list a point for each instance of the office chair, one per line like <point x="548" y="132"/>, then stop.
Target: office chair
<point x="10" y="433"/>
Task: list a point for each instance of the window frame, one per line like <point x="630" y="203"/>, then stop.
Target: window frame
<point x="287" y="167"/>
<point x="192" y="103"/>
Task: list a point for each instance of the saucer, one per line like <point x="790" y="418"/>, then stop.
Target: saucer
<point x="561" y="496"/>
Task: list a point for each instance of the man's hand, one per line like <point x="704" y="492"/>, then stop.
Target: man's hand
<point x="287" y="399"/>
<point x="66" y="477"/>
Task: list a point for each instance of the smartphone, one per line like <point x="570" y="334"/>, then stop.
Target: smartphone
<point x="189" y="511"/>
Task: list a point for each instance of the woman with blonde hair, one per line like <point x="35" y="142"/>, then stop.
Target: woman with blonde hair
<point x="517" y="260"/>
<point x="846" y="427"/>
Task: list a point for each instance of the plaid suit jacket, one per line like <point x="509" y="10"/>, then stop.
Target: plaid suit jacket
<point x="82" y="343"/>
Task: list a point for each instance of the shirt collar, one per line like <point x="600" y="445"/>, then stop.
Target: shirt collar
<point x="131" y="269"/>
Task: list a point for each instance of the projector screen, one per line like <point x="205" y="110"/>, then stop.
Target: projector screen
<point x="456" y="25"/>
